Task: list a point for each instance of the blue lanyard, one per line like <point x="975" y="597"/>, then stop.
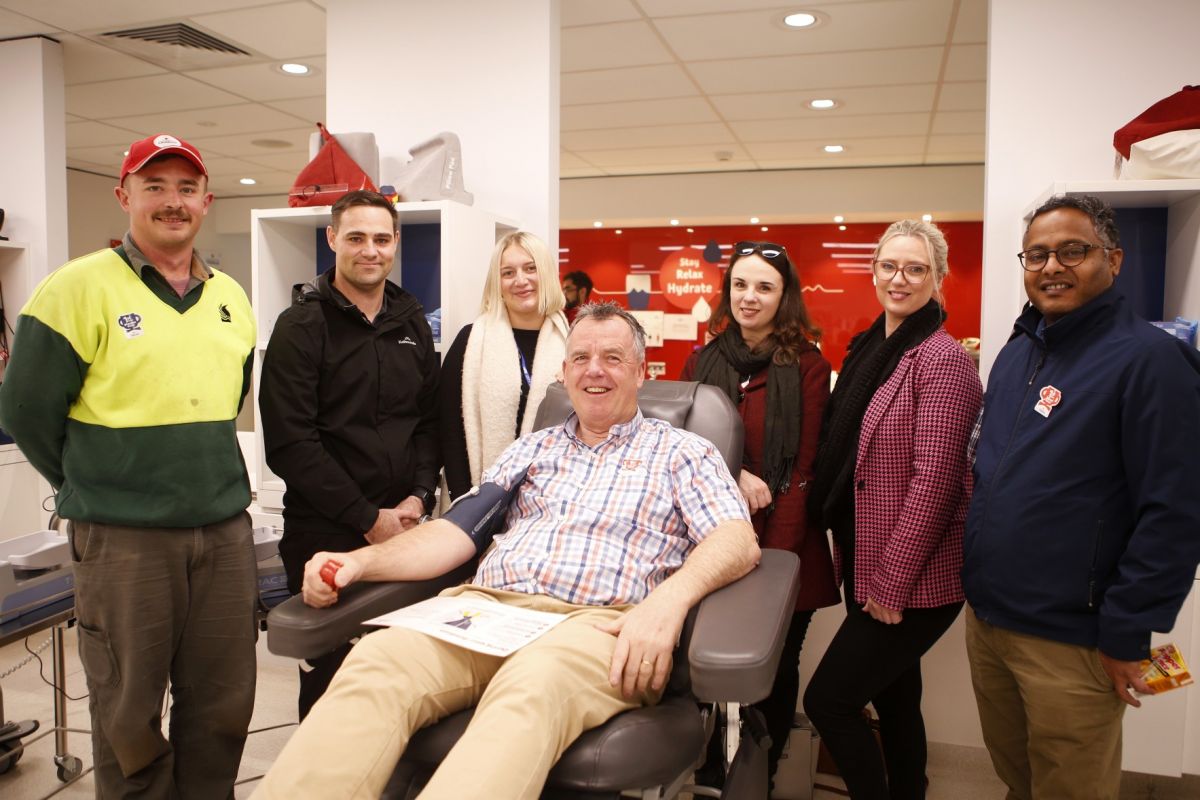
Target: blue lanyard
<point x="526" y="378"/>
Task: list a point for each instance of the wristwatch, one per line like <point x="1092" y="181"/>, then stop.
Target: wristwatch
<point x="425" y="496"/>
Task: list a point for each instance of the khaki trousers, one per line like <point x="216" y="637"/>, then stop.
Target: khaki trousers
<point x="530" y="707"/>
<point x="1051" y="720"/>
<point x="159" y="605"/>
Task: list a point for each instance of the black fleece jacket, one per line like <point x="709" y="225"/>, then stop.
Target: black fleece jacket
<point x="349" y="408"/>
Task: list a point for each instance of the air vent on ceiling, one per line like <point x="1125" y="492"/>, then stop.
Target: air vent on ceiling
<point x="179" y="35"/>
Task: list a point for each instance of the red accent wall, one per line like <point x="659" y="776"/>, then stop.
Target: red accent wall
<point x="837" y="287"/>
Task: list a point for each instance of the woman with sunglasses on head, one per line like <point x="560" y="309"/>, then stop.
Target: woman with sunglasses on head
<point x="764" y="356"/>
<point x="892" y="483"/>
<point x="496" y="372"/>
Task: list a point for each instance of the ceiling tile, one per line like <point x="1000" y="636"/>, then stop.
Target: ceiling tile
<point x="263" y="82"/>
<point x="310" y="109"/>
<point x="241" y="146"/>
<point x="852" y="102"/>
<point x="291" y="162"/>
<point x="854" y="26"/>
<point x="956" y="122"/>
<point x="972" y="23"/>
<point x="967" y="62"/>
<point x="824" y="71"/>
<point x="651" y="156"/>
<point x="677" y="8"/>
<point x="147" y="95"/>
<point x="957" y="144"/>
<point x="224" y="167"/>
<point x="14" y="25"/>
<point x="110" y="156"/>
<point x="642" y="112"/>
<point x="98" y="134"/>
<point x="807" y="162"/>
<point x="869" y="126"/>
<point x="971" y="96"/>
<point x="210" y="122"/>
<point x="111" y="15"/>
<point x="571" y="161"/>
<point x="622" y="44"/>
<point x="589" y="12"/>
<point x="286" y="30"/>
<point x="657" y="136"/>
<point x="85" y="61"/>
<point x="631" y="83"/>
<point x="857" y="148"/>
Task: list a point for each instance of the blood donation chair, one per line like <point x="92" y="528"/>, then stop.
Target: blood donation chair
<point x="727" y="655"/>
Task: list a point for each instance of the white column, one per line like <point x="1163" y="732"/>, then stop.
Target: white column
<point x="487" y="71"/>
<point x="33" y="160"/>
<point x="1062" y="77"/>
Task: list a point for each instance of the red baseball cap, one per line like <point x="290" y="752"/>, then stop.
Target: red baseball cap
<point x="145" y="150"/>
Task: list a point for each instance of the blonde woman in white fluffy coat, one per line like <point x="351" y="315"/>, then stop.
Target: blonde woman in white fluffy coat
<point x="495" y="374"/>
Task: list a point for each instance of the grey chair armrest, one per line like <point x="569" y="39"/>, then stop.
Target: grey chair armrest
<point x="299" y="631"/>
<point x="739" y="632"/>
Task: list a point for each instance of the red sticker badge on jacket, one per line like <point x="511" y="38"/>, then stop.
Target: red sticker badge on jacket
<point x="1048" y="398"/>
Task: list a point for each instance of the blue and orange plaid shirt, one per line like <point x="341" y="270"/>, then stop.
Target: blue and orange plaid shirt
<point x="605" y="525"/>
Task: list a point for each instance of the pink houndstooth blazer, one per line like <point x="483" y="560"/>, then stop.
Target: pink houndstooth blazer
<point x="912" y="482"/>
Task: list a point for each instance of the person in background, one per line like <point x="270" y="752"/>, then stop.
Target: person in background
<point x="496" y="372"/>
<point x="128" y="370"/>
<point x="764" y="357"/>
<point x="347" y="398"/>
<point x="1084" y="533"/>
<point x="892" y="483"/>
<point x="577" y="288"/>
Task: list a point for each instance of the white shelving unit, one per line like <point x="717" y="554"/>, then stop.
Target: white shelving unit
<point x="283" y="248"/>
<point x="1163" y="736"/>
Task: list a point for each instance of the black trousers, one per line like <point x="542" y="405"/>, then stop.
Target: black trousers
<point x="870" y="662"/>
<point x="295" y="549"/>
<point x="779" y="707"/>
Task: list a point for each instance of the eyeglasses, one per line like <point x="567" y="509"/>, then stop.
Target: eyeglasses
<point x="913" y="273"/>
<point x="1068" y="255"/>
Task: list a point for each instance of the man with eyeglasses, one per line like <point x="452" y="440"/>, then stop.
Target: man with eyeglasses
<point x="1083" y="534"/>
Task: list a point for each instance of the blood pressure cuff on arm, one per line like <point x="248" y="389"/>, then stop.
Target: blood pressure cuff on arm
<point x="480" y="513"/>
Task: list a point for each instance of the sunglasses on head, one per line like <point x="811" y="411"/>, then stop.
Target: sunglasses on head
<point x="768" y="250"/>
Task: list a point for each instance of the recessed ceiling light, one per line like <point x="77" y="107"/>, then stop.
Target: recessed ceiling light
<point x="271" y="144"/>
<point x="247" y="181"/>
<point x="800" y="19"/>
<point x="834" y="148"/>
<point x="674" y="222"/>
<point x="598" y="224"/>
<point x="839" y="218"/>
<point x="754" y="220"/>
<point x="821" y="104"/>
<point x="295" y="69"/>
<point x="927" y="217"/>
<point x="125" y="153"/>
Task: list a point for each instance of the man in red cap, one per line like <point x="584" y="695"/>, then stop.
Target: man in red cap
<point x="129" y="367"/>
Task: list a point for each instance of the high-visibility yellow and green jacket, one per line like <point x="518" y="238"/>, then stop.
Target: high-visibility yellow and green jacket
<point x="125" y="398"/>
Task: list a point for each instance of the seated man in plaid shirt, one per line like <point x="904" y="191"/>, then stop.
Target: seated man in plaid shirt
<point x="621" y="522"/>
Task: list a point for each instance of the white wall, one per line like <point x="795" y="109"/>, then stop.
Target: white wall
<point x="875" y="194"/>
<point x="1062" y="77"/>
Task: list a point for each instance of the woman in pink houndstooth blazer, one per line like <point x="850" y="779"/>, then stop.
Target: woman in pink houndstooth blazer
<point x="892" y="483"/>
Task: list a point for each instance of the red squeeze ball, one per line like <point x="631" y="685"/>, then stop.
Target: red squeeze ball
<point x="328" y="571"/>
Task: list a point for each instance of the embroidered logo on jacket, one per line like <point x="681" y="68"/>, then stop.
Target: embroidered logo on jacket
<point x="131" y="324"/>
<point x="224" y="312"/>
<point x="406" y="340"/>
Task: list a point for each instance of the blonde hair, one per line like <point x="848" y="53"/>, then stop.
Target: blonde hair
<point x="550" y="294"/>
<point x="935" y="243"/>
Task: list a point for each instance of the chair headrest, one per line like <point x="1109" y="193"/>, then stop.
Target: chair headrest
<point x="697" y="407"/>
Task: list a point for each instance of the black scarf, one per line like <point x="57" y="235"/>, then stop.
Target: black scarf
<point x="723" y="362"/>
<point x="870" y="360"/>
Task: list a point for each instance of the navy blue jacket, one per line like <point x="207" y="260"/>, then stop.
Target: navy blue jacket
<point x="1085" y="523"/>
